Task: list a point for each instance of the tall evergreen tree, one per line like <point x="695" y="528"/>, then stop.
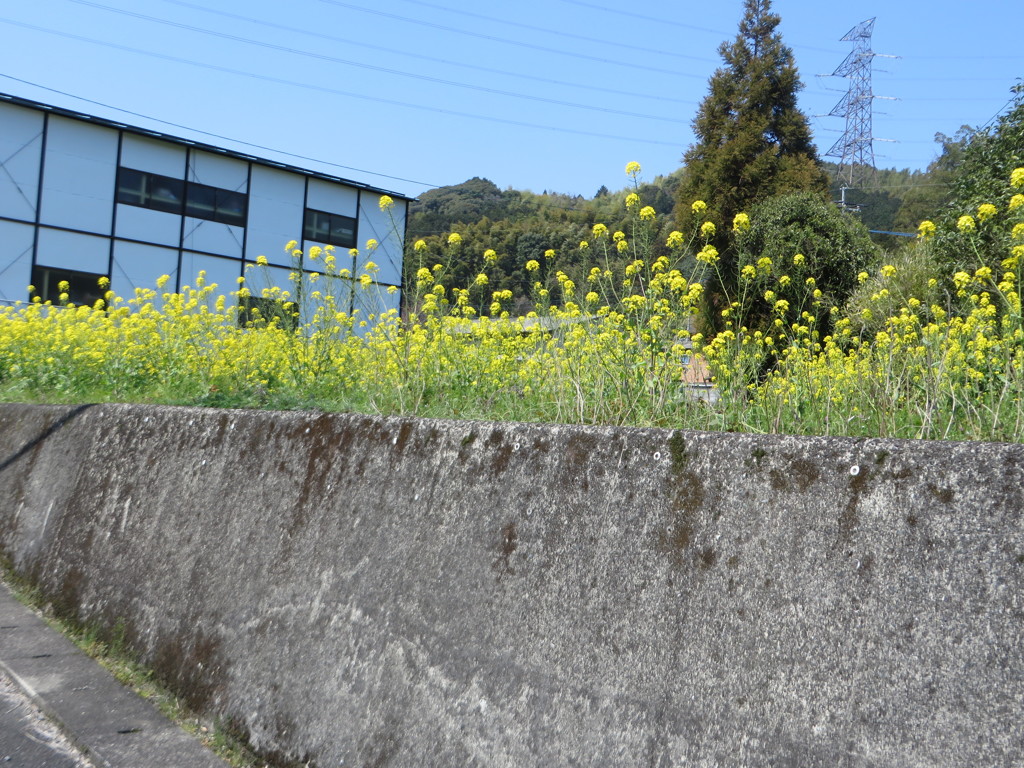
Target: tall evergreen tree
<point x="752" y="141"/>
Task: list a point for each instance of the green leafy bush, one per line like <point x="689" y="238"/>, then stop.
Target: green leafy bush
<point x="833" y="249"/>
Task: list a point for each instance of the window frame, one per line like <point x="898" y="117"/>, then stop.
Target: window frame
<point x="334" y="221"/>
<point x="139" y="189"/>
<point x="46" y="279"/>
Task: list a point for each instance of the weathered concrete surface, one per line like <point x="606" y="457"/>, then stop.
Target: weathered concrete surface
<point x="388" y="592"/>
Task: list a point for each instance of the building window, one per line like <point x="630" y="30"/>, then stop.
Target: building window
<point x="215" y="204"/>
<point x="83" y="287"/>
<point x="149" y="190"/>
<point x="330" y="228"/>
<point x="162" y="193"/>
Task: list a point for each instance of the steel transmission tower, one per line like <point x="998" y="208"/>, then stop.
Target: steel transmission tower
<point x="855" y="149"/>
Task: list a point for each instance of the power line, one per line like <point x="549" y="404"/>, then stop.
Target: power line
<point x="279" y="28"/>
<point x="506" y="41"/>
<point x="335" y="91"/>
<point x="373" y="67"/>
<point x="631" y="14"/>
<point x="661" y="20"/>
<point x="561" y="32"/>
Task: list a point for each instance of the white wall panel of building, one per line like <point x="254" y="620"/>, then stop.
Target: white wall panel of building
<point x="214" y="237"/>
<point x="138" y="266"/>
<point x="333" y="198"/>
<point x="218" y="171"/>
<point x="375" y="299"/>
<point x="223" y="272"/>
<point x="21" y="149"/>
<point x="339" y="289"/>
<point x="275" y="213"/>
<point x="79" y="175"/>
<point x="71" y="250"/>
<point x="388" y="229"/>
<point x="158" y="227"/>
<point x="15" y="260"/>
<point x="153" y="155"/>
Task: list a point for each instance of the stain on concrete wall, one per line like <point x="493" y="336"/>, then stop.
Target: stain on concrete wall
<point x="394" y="592"/>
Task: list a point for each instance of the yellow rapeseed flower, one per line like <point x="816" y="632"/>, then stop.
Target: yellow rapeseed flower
<point x="371" y="244"/>
<point x="647" y="213"/>
<point x="740" y="222"/>
<point x="707" y="255"/>
<point x="549" y="253"/>
<point x="162" y="280"/>
<point x="490" y="256"/>
<point x="1017" y="177"/>
<point x="532" y="265"/>
<point x="1016" y="202"/>
<point x="965" y="224"/>
<point x="599" y="230"/>
<point x="888" y="270"/>
<point x="926" y="229"/>
<point x="675" y="239"/>
<point x="454" y="239"/>
<point x="261" y="260"/>
<point x="707" y="229"/>
<point x="481" y="279"/>
<point x="986" y="211"/>
<point x="290" y="246"/>
<point x="385" y="202"/>
<point x="584" y="245"/>
<point x="698" y="206"/>
<point x="421" y="245"/>
<point x="632" y="168"/>
<point x="632" y="200"/>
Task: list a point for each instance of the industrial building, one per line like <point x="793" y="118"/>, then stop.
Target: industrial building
<point x="83" y="197"/>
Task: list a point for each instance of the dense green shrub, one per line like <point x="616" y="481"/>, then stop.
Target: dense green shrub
<point x="833" y="246"/>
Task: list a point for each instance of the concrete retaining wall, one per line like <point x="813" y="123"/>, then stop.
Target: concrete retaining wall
<point x="388" y="592"/>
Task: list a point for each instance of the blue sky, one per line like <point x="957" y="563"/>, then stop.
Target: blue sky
<point x="536" y="94"/>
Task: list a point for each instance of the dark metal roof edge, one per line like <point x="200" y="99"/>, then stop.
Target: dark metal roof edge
<point x="64" y="112"/>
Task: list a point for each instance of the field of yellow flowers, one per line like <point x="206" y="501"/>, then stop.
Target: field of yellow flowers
<point x="623" y="348"/>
